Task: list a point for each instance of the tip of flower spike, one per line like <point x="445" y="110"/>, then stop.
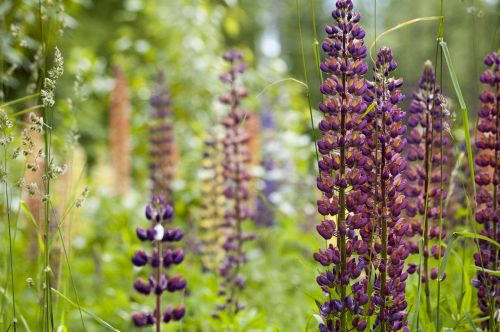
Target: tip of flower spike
<point x="232" y="55"/>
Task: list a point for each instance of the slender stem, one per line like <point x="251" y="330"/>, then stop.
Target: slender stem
<point x="158" y="282"/>
<point x="383" y="219"/>
<point x="341" y="216"/>
<point x="377" y="171"/>
<point x="441" y="189"/>
<point x="495" y="205"/>
<point x="11" y="259"/>
<point x="237" y="202"/>
<point x="48" y="310"/>
<point x="428" y="155"/>
<point x="441" y="182"/>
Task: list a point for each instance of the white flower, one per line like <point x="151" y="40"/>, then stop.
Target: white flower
<point x="159" y="232"/>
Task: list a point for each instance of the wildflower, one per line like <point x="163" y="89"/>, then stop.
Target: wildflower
<point x="236" y="160"/>
<point x="429" y="159"/>
<point x="391" y="227"/>
<point x="160" y="214"/>
<point x="344" y="163"/>
<point x="487" y="199"/>
<point x="264" y="212"/>
<point x="213" y="203"/>
<point x="162" y="147"/>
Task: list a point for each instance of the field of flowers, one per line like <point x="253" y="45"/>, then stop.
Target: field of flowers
<point x="250" y="165"/>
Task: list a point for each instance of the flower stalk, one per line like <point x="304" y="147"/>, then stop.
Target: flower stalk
<point x="159" y="212"/>
<point x="236" y="160"/>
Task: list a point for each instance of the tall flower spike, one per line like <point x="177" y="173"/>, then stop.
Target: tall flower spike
<point x="163" y="256"/>
<point x="488" y="198"/>
<point x="162" y="145"/>
<point x="428" y="154"/>
<point x="119" y="133"/>
<point x="390" y="247"/>
<point x="213" y="203"/>
<point x="264" y="212"/>
<point x="344" y="164"/>
<point x="236" y="160"/>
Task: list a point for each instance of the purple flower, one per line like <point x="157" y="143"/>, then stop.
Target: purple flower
<point x="162" y="145"/>
<point x="391" y="228"/>
<point x="235" y="170"/>
<point x="429" y="154"/>
<point x="346" y="161"/>
<point x="163" y="256"/>
<point x="487" y="180"/>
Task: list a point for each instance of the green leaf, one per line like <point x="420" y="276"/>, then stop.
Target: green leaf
<point x="446" y="257"/>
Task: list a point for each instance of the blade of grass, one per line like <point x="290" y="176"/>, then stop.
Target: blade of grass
<point x="471" y="323"/>
<point x="493" y="273"/>
<point x="415" y="325"/>
<point x="92" y="315"/>
<point x="20" y="100"/>
<point x="463" y="106"/>
<point x="308" y="92"/>
<point x="477" y="237"/>
<point x="449" y="246"/>
<point x="19" y="313"/>
<point x="400" y="26"/>
<point x="281" y="81"/>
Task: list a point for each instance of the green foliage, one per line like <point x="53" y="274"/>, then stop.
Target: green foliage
<point x="89" y="247"/>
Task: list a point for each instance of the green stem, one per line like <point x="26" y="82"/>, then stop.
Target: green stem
<point x="441" y="182"/>
<point x="158" y="282"/>
<point x="441" y="189"/>
<point x="495" y="205"/>
<point x="341" y="239"/>
<point x="383" y="220"/>
<point x="11" y="259"/>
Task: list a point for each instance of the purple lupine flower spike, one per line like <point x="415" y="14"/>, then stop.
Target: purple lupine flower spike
<point x="344" y="163"/>
<point x="428" y="154"/>
<point x="488" y="198"/>
<point x="390" y="245"/>
<point x="162" y="145"/>
<point x="162" y="257"/>
<point x="235" y="164"/>
<point x="264" y="212"/>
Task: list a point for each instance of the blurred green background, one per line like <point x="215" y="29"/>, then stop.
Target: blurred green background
<point x="185" y="39"/>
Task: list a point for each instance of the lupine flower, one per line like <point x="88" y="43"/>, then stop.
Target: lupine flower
<point x="119" y="133"/>
<point x="429" y="156"/>
<point x="344" y="164"/>
<point x="162" y="145"/>
<point x="236" y="160"/>
<point x="487" y="199"/>
<point x="213" y="203"/>
<point x="162" y="257"/>
<point x="390" y="246"/>
<point x="264" y="214"/>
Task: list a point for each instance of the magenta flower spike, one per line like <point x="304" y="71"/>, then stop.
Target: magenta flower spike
<point x="346" y="173"/>
<point x="236" y="160"/>
<point x="391" y="228"/>
<point x="487" y="180"/>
